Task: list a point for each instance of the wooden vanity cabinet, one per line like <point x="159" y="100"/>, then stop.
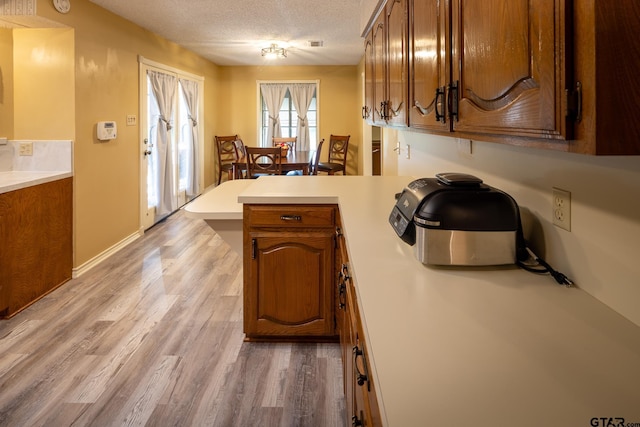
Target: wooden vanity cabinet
<point x="289" y="253"/>
<point x="360" y="390"/>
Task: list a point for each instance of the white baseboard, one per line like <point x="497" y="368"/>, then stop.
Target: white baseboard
<point x="80" y="270"/>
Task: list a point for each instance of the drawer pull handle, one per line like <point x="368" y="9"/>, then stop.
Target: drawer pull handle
<point x="342" y="304"/>
<point x="291" y="217"/>
<point x="361" y="377"/>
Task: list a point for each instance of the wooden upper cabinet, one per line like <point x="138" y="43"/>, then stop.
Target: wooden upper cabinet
<point x="606" y="63"/>
<point x="386" y="67"/>
<point x="555" y="74"/>
<point x="508" y="67"/>
<point x="379" y="69"/>
<point x="397" y="63"/>
<point x="428" y="64"/>
<point x="367" y="109"/>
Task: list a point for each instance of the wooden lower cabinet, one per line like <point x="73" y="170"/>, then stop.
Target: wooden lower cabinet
<point x="294" y="255"/>
<point x="288" y="272"/>
<point x="360" y="392"/>
<point x="36" y="254"/>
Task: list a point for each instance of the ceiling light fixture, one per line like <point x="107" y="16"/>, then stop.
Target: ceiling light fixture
<point x="274" y="51"/>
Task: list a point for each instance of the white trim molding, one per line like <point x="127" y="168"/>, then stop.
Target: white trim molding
<point x="80" y="270"/>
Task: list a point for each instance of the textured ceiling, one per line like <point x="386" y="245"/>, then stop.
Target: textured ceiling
<point x="232" y="32"/>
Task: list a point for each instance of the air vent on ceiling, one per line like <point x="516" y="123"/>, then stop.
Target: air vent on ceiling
<point x="316" y="43"/>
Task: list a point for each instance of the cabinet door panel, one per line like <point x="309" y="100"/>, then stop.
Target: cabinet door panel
<point x="379" y="70"/>
<point x="367" y="110"/>
<point x="504" y="61"/>
<point x="397" y="62"/>
<point x="292" y="275"/>
<point x="428" y="64"/>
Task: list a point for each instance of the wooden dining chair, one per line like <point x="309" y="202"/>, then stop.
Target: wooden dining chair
<point x="227" y="154"/>
<point x="290" y="142"/>
<point x="313" y="164"/>
<point x="240" y="147"/>
<point x="338" y="150"/>
<point x="263" y="161"/>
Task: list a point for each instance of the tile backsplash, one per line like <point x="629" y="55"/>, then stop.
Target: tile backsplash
<point x="6" y="157"/>
<point x="46" y="156"/>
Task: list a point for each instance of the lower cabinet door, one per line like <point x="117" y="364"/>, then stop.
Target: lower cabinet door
<point x="288" y="291"/>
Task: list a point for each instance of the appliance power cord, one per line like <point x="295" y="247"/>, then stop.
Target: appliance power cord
<point x="545" y="268"/>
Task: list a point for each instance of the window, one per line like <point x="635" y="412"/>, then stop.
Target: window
<point x="288" y="117"/>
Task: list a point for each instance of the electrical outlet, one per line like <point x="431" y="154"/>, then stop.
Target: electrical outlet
<point x="561" y="209"/>
<point x="131" y="120"/>
<point x="25" y="149"/>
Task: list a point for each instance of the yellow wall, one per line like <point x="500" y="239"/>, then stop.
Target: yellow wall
<point x="106" y="175"/>
<point x="6" y="83"/>
<point x="43" y="84"/>
<point x="237" y="110"/>
<point x="103" y="53"/>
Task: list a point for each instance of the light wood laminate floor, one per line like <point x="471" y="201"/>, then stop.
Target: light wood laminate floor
<point x="153" y="336"/>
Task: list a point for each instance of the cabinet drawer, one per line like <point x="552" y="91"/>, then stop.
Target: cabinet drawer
<point x="290" y="215"/>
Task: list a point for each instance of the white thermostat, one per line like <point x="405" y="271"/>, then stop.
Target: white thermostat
<point x="106" y="131"/>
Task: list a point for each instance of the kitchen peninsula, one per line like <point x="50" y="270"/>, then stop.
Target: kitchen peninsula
<point x="466" y="346"/>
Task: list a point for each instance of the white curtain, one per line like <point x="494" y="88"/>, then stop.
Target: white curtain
<point x="302" y="95"/>
<point x="273" y="95"/>
<point x="190" y="92"/>
<point x="164" y="90"/>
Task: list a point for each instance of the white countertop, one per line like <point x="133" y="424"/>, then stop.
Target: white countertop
<point x="219" y="203"/>
<point x="460" y="346"/>
<point x="16" y="180"/>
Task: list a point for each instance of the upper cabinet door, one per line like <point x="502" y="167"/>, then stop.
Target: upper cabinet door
<point x="429" y="64"/>
<point x="397" y="67"/>
<point x="367" y="109"/>
<point x="508" y="66"/>
<point x="379" y="70"/>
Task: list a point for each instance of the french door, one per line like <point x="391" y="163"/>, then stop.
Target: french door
<point x="171" y="141"/>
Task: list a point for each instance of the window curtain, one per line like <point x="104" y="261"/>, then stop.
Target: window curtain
<point x="190" y="92"/>
<point x="302" y="95"/>
<point x="164" y="90"/>
<point x="273" y="95"/>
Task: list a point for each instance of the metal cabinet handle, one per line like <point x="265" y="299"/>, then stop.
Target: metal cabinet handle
<point x="361" y="377"/>
<point x="291" y="217"/>
<point x="440" y="117"/>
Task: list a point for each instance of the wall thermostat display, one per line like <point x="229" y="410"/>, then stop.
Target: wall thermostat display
<point x="106" y="131"/>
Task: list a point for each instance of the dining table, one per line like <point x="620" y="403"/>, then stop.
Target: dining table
<point x="293" y="161"/>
